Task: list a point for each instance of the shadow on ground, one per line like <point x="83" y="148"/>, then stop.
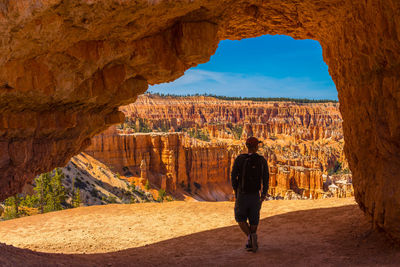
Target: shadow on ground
<point x="337" y="236"/>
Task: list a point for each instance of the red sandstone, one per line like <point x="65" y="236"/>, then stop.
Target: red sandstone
<point x="66" y="66"/>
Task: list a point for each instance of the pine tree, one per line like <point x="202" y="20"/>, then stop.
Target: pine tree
<point x="42" y="189"/>
<point x="49" y="196"/>
<point x="17" y="200"/>
<point x="12" y="210"/>
<point x="50" y="192"/>
<point x="76" y="198"/>
<point x="57" y="192"/>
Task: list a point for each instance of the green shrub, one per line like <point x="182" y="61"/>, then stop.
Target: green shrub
<point x="161" y="195"/>
<point x="237" y="131"/>
<point x="346" y="171"/>
<point x="12" y="210"/>
<point x="111" y="199"/>
<point x="94" y="193"/>
<point x="133" y="200"/>
<point x="199" y="134"/>
<point x="337" y="167"/>
<point x="78" y="183"/>
<point x="164" y="127"/>
<point x="132" y="186"/>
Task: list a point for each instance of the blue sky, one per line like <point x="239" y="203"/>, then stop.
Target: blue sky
<point x="268" y="66"/>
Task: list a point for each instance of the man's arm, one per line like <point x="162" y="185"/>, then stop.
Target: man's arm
<point x="235" y="175"/>
<point x="265" y="179"/>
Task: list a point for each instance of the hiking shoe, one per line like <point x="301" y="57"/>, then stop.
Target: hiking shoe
<point x="254" y="245"/>
<point x="248" y="247"/>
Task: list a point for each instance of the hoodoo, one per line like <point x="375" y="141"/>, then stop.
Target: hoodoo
<point x="196" y="140"/>
<point x="66" y="67"/>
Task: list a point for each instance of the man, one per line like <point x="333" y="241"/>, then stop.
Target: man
<point x="248" y="173"/>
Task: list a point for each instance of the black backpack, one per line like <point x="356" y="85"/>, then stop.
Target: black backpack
<point x="252" y="172"/>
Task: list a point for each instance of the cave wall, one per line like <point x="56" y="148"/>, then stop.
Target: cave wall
<point x="66" y="66"/>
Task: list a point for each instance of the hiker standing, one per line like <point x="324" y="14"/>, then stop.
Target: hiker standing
<point x="248" y="173"/>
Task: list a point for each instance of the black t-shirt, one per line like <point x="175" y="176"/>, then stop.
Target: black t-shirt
<point x="253" y="177"/>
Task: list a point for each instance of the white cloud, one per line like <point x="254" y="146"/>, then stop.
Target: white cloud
<point x="235" y="84"/>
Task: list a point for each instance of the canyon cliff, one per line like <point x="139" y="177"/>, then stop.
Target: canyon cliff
<point x="66" y="67"/>
<point x="310" y="121"/>
<point x="171" y="161"/>
<point x="299" y="156"/>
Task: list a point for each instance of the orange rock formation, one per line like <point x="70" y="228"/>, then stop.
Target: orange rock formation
<point x="186" y="164"/>
<point x="203" y="168"/>
<point x="66" y="66"/>
<point x="261" y="119"/>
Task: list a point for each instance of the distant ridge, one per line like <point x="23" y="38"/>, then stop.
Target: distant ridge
<point x="238" y="98"/>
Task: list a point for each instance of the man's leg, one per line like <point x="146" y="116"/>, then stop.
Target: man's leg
<point x="241" y="216"/>
<point x="244" y="226"/>
<point x="254" y="218"/>
<point x="253" y="237"/>
<point x="253" y="228"/>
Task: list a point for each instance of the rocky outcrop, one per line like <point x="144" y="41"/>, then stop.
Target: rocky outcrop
<point x="302" y="169"/>
<point x="184" y="165"/>
<point x="310" y="121"/>
<point x="98" y="185"/>
<point x="60" y="58"/>
<point x="302" y="141"/>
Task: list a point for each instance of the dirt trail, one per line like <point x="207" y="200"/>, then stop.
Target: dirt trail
<point x="310" y="232"/>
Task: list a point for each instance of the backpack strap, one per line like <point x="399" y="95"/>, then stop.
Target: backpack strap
<point x="244" y="173"/>
<point x="260" y="161"/>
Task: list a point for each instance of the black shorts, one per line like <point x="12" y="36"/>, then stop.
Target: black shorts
<point x="247" y="206"/>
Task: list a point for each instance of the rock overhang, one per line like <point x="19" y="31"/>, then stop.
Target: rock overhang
<point x="66" y="67"/>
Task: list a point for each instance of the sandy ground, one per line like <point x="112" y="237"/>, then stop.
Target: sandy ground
<point x="330" y="232"/>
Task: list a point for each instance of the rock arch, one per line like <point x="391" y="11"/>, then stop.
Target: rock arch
<point x="66" y="66"/>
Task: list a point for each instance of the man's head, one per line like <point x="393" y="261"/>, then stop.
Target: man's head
<point x="252" y="144"/>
